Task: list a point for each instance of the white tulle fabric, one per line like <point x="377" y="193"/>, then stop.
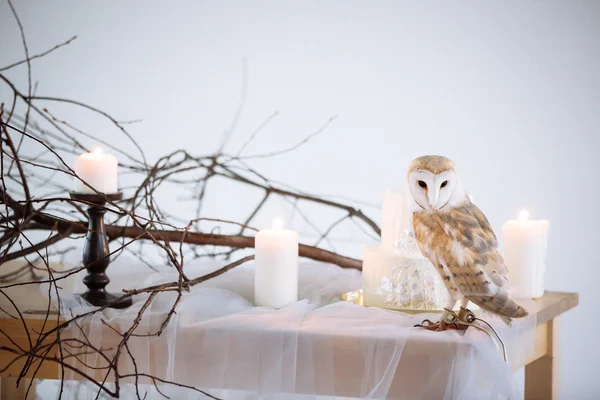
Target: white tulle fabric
<point x="315" y="348"/>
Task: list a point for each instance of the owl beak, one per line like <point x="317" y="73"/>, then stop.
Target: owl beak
<point x="433" y="198"/>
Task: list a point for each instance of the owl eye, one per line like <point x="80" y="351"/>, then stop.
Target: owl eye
<point x="444" y="184"/>
<point x="422" y="184"/>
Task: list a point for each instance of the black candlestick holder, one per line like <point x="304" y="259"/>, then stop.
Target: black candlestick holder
<point x="96" y="255"/>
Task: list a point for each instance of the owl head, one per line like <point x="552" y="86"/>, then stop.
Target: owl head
<point x="433" y="183"/>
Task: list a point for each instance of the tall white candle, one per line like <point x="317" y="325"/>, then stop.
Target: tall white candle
<point x="99" y="170"/>
<point x="276" y="274"/>
<point x="524" y="250"/>
<point x="395" y="218"/>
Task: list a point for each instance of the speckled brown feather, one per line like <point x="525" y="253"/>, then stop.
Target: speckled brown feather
<point x="462" y="245"/>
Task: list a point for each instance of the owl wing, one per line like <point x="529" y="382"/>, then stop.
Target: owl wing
<point x="463" y="247"/>
<point x="489" y="244"/>
<point x="471" y="256"/>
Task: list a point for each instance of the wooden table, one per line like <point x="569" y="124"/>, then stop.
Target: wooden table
<point x="541" y="366"/>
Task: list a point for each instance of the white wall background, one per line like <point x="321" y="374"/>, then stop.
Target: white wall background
<point x="509" y="89"/>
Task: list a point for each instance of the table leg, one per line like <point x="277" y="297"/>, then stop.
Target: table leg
<point x="10" y="391"/>
<point x="542" y="375"/>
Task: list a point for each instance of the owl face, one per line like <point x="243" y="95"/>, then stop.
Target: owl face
<point x="434" y="183"/>
<point x="432" y="191"/>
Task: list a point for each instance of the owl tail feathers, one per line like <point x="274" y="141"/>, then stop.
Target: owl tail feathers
<point x="501" y="305"/>
<point x="521" y="312"/>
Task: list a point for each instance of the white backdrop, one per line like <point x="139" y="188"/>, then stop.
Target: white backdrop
<point x="509" y="89"/>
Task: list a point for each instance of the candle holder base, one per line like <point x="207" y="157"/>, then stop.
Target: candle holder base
<point x="101" y="298"/>
<point x="96" y="254"/>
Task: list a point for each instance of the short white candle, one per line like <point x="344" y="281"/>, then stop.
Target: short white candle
<point x="98" y="170"/>
<point x="524" y="250"/>
<point x="276" y="273"/>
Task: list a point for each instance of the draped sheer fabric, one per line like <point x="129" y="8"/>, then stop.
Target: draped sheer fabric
<point x="318" y="347"/>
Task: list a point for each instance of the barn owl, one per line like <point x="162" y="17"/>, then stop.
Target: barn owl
<point x="458" y="239"/>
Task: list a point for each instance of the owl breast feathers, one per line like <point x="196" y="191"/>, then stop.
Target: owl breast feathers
<point x="463" y="247"/>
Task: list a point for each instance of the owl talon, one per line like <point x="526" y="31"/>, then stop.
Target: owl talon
<point x="427" y="324"/>
<point x="422" y="324"/>
<point x="449" y="321"/>
<point x="441" y="326"/>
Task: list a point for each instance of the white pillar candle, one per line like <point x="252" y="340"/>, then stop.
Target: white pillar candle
<point x="524" y="250"/>
<point x="395" y="219"/>
<point x="99" y="170"/>
<point x="276" y="274"/>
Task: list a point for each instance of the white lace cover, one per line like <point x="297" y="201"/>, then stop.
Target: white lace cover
<point x="318" y="346"/>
